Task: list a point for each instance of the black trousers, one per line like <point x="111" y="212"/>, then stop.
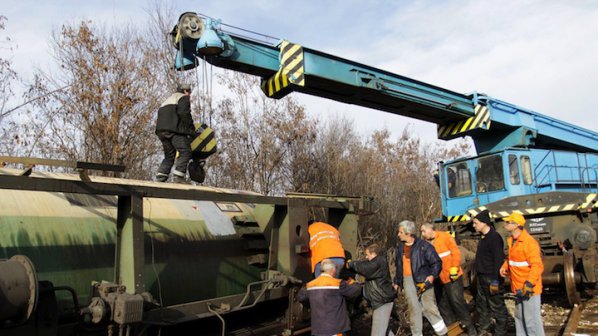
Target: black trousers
<point x="172" y="143"/>
<point x="490" y="306"/>
<point x="451" y="303"/>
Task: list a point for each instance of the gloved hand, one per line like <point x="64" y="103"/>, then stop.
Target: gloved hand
<point x="351" y="281"/>
<point x="422" y="287"/>
<point x="454" y="273"/>
<point x="349" y="264"/>
<point x="494" y="287"/>
<point x="528" y="290"/>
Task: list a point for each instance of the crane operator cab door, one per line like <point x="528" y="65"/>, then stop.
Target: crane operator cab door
<point x="456" y="188"/>
<point x="519" y="169"/>
<point x="502" y="175"/>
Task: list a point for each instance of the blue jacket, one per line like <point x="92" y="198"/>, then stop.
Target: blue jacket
<point x="326" y="296"/>
<point x="424" y="262"/>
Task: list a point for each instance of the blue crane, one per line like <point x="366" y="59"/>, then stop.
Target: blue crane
<point x="541" y="166"/>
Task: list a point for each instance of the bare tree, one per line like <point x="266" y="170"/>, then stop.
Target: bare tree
<point x="398" y="175"/>
<point x="106" y="114"/>
<point x="7" y="75"/>
<point x="259" y="138"/>
<point x="8" y="78"/>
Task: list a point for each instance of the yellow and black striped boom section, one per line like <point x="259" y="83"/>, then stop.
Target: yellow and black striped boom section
<point x="570" y="202"/>
<point x="458" y="218"/>
<point x="291" y="71"/>
<point x="480" y="120"/>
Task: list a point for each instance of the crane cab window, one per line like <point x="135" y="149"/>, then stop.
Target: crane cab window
<point x="526" y="170"/>
<point x="458" y="180"/>
<point x="513" y="170"/>
<point x="489" y="174"/>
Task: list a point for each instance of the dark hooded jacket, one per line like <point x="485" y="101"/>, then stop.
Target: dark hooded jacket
<point x="175" y="115"/>
<point x="424" y="262"/>
<point x="378" y="286"/>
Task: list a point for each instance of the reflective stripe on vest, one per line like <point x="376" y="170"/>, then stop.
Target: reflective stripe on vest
<point x="518" y="263"/>
<point x="444" y="254"/>
<point x="313" y="241"/>
<point x="323" y="287"/>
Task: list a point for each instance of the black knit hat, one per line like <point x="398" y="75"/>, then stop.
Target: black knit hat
<point x="484" y="216"/>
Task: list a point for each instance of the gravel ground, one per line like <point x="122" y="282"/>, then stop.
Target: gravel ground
<point x="554" y="313"/>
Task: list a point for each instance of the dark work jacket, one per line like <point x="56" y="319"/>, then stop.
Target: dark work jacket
<point x="378" y="286"/>
<point x="490" y="255"/>
<point x="326" y="296"/>
<point x="424" y="261"/>
<point x="175" y="115"/>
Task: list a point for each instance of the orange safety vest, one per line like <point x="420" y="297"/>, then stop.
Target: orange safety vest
<point x="324" y="281"/>
<point x="449" y="253"/>
<point x="324" y="242"/>
<point x="524" y="262"/>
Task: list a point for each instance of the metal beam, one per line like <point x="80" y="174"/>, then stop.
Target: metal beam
<point x="62" y="163"/>
<point x="99" y="166"/>
<point x="116" y="189"/>
<point x="130" y="260"/>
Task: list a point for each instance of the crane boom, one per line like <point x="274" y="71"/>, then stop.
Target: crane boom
<point x="319" y="74"/>
<point x="287" y="67"/>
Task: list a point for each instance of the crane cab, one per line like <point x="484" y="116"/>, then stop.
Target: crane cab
<point x="491" y="177"/>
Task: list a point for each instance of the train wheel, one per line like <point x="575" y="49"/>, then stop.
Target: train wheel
<point x="570" y="283"/>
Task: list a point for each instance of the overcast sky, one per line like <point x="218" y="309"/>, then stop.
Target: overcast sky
<point x="541" y="55"/>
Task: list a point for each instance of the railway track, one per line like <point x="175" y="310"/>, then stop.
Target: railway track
<point x="583" y="319"/>
<point x="559" y="319"/>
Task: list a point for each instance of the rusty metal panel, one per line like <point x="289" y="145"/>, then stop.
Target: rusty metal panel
<point x="297" y="239"/>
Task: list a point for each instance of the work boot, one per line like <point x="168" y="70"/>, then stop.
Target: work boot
<point x="161" y="177"/>
<point x="196" y="171"/>
<point x="180" y="179"/>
